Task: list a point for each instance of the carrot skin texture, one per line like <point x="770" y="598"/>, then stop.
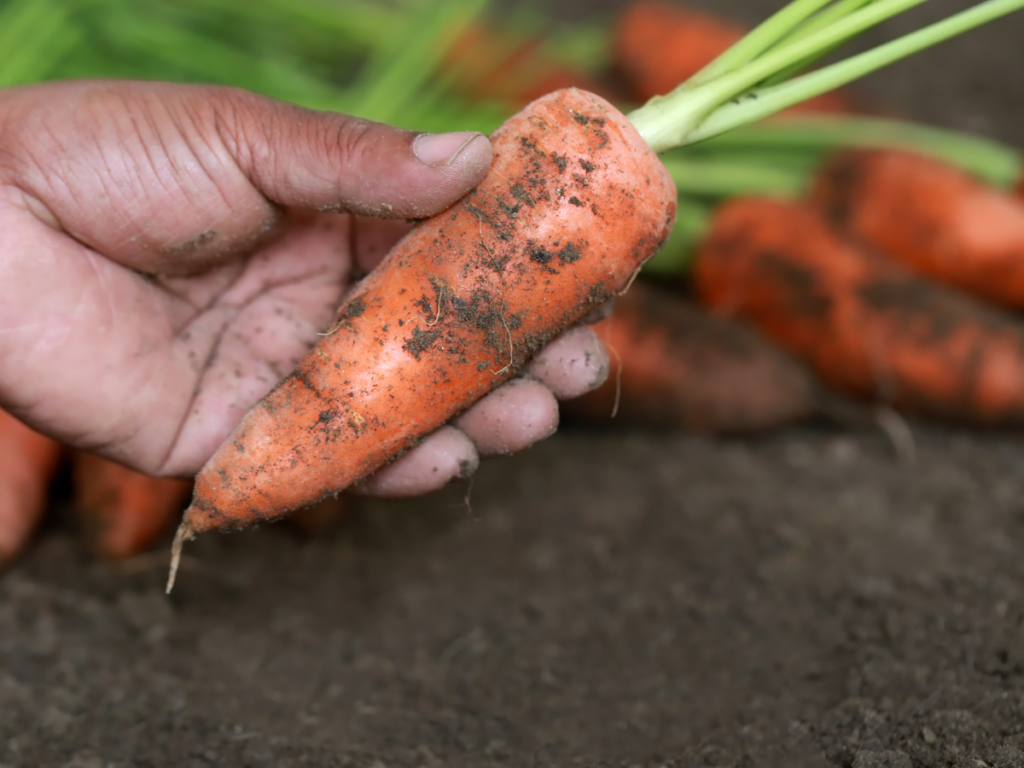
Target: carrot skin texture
<point x="658" y="45"/>
<point x="868" y="327"/>
<point x="575" y="202"/>
<point x="28" y="462"/>
<point x="123" y="512"/>
<point x="676" y="366"/>
<point x="933" y="218"/>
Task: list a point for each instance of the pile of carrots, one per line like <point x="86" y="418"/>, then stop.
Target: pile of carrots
<point x="889" y="278"/>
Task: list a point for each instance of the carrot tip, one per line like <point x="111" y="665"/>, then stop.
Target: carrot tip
<point x="183" y="534"/>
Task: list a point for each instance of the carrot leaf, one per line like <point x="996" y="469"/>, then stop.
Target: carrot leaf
<point x="812" y="136"/>
<point x="737" y="88"/>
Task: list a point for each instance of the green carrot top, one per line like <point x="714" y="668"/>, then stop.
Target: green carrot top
<point x="757" y="76"/>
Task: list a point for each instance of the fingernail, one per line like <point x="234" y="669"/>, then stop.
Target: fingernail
<point x="441" y="148"/>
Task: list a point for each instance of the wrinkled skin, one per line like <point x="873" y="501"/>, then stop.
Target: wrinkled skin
<point x="169" y="252"/>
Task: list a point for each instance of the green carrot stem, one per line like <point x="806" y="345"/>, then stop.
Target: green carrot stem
<point x="208" y="59"/>
<point x="17" y="18"/>
<point x="720" y="178"/>
<point x="355" y="21"/>
<point x="988" y="160"/>
<point x="819" y="21"/>
<point x="758" y="40"/>
<point x="675" y="119"/>
<point x="399" y="70"/>
<point x="772" y="99"/>
<point x="44" y="36"/>
<point x="694" y="113"/>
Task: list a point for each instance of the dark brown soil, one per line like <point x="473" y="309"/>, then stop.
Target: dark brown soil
<point x="644" y="600"/>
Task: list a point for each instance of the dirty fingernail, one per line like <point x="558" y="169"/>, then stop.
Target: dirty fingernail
<point x="441" y="148"/>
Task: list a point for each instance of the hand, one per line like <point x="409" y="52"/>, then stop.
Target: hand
<point x="168" y="253"/>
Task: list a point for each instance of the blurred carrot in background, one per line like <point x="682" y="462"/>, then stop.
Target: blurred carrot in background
<point x="487" y="63"/>
<point x="122" y="511"/>
<point x="932" y="217"/>
<point x="675" y="366"/>
<point x="867" y="326"/>
<point x="28" y="462"/>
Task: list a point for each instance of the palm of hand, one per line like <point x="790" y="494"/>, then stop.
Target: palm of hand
<point x="153" y="369"/>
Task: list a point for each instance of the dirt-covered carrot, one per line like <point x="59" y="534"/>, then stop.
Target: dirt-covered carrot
<point x="658" y="44"/>
<point x="574" y="204"/>
<point x="867" y="326"/>
<point x="675" y="366"/>
<point x="28" y="461"/>
<point x="932" y="217"/>
<point x="123" y="512"/>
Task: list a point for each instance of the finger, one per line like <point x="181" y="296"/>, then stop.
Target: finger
<point x="572" y="364"/>
<point x="172" y="179"/>
<point x="443" y="456"/>
<point x="513" y="417"/>
<point x="342" y="163"/>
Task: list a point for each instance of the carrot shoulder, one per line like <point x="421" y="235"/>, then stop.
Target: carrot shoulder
<point x="123" y="511"/>
<point x="28" y="461"/>
<point x="867" y="326"/>
<point x="932" y="217"/>
<point x="574" y="203"/>
<point x="676" y="366"/>
<point x="658" y="45"/>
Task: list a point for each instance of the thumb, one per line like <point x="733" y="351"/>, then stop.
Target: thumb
<point x="173" y="179"/>
<point x="334" y="162"/>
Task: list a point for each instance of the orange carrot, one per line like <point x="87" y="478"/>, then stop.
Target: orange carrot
<point x="123" y="511"/>
<point x="676" y="366"/>
<point x="28" y="462"/>
<point x="934" y="218"/>
<point x="660" y="44"/>
<point x="486" y="63"/>
<point x="573" y="205"/>
<point x="868" y="327"/>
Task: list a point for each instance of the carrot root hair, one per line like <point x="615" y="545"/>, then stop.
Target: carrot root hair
<point x="183" y="534"/>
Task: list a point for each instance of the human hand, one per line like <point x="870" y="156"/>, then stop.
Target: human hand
<point x="168" y="253"/>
